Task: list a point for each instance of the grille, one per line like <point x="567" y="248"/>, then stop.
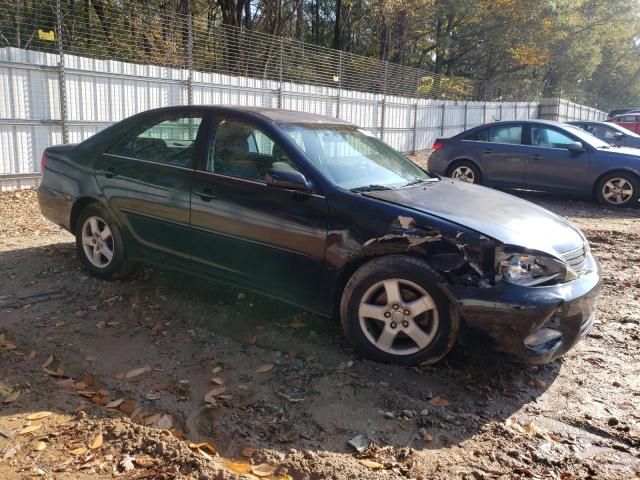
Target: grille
<point x="576" y="259"/>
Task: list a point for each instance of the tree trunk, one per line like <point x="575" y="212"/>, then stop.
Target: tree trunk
<point x="337" y="37"/>
<point x="300" y="20"/>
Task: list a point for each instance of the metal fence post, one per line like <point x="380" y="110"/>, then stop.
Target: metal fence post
<point x="484" y="112"/>
<point x="62" y="83"/>
<point x="500" y="111"/>
<point x="189" y="56"/>
<point x="339" y="84"/>
<point x="444" y="106"/>
<point x="466" y="107"/>
<point x="280" y="74"/>
<point x="515" y="110"/>
<point x="415" y="128"/>
<point x="383" y="103"/>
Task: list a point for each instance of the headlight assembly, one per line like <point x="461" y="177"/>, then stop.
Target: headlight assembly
<point x="529" y="270"/>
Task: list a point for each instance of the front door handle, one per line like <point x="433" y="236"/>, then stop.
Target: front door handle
<point x="487" y="150"/>
<point x="537" y="157"/>
<point x="206" y="194"/>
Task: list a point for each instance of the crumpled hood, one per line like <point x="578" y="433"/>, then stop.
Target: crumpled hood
<point x="504" y="217"/>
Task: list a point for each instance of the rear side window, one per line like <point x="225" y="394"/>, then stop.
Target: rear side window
<point x="481" y="135"/>
<point x="510" y="134"/>
<point x="627" y="118"/>
<point x="168" y="139"/>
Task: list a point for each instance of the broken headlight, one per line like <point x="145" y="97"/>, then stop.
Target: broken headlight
<point x="529" y="270"/>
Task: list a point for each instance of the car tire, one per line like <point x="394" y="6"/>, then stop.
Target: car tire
<point x="465" y="171"/>
<point x="391" y="313"/>
<point x="99" y="244"/>
<point x="618" y="189"/>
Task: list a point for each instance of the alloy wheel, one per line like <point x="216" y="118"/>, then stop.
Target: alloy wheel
<point x="97" y="242"/>
<point x="399" y="317"/>
<point x="464" y="174"/>
<point x="617" y="191"/>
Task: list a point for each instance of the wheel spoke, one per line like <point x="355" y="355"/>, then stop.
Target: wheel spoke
<point x="93" y="222"/>
<point x="372" y="311"/>
<point x="609" y="194"/>
<point x="420" y="338"/>
<point x="97" y="256"/>
<point x="392" y="289"/>
<point x="107" y="252"/>
<point x="421" y="305"/>
<point x="106" y="233"/>
<point x="386" y="338"/>
<point x="86" y="240"/>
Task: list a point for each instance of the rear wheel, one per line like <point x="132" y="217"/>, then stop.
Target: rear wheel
<point x="465" y="171"/>
<point x="618" y="189"/>
<point x="391" y="313"/>
<point x="99" y="243"/>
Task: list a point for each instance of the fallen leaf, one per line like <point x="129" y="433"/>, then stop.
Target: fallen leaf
<point x="66" y="383"/>
<point x="38" y="415"/>
<point x="39" y="446"/>
<point x="97" y="400"/>
<point x="439" y="401"/>
<point x="103" y="392"/>
<point x="48" y="362"/>
<point x="96" y="442"/>
<point x="203" y="446"/>
<point x="216" y="370"/>
<point x="30" y="429"/>
<point x="152" y="395"/>
<point x="58" y="372"/>
<point x="151" y="419"/>
<point x="248" y="451"/>
<point x="114" y="403"/>
<point x="119" y="376"/>
<point x="32" y="355"/>
<point x="264" y="368"/>
<point x="143" y="460"/>
<point x="80" y="314"/>
<point x="370" y="464"/>
<point x="137" y="371"/>
<point x="250" y="340"/>
<point x="126" y="462"/>
<point x="12" y="397"/>
<point x="297" y="324"/>
<point x="128" y="406"/>
<point x="342" y="365"/>
<point x="243" y="386"/>
<point x="8" y="345"/>
<point x="101" y="324"/>
<point x="217" y="380"/>
<point x="60" y="323"/>
<point x="237" y="467"/>
<point x="310" y="359"/>
<point x="263" y="470"/>
<point x="214" y="392"/>
<point x="165" y="422"/>
<point x="78" y="451"/>
<point x="90" y="358"/>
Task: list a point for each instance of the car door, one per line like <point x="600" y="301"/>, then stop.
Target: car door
<point x="551" y="165"/>
<point x="504" y="156"/>
<point x="268" y="238"/>
<point x="146" y="176"/>
<point x="630" y="122"/>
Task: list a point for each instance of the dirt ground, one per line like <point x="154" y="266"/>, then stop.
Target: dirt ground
<point x="168" y="376"/>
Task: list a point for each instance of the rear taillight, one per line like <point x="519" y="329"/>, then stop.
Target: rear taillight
<point x="43" y="161"/>
<point x="436" y="146"/>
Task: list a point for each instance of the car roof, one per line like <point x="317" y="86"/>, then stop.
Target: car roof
<point x="530" y="122"/>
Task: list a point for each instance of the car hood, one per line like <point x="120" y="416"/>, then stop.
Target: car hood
<point x="626" y="151"/>
<point x="503" y="217"/>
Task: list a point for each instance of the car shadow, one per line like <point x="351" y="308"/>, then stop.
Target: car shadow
<point x="292" y="379"/>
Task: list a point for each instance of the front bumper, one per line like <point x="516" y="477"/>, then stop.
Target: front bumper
<point x="534" y="324"/>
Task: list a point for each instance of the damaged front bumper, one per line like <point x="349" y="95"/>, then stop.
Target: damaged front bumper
<point x="535" y="324"/>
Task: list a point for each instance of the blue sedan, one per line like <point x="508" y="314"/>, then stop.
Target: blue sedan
<point x="540" y="155"/>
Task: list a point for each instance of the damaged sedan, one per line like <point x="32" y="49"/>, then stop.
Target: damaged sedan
<point x="319" y="213"/>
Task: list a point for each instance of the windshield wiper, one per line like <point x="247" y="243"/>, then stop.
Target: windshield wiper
<point x="370" y="188"/>
<point x="416" y="181"/>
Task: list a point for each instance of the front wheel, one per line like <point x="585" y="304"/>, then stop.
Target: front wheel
<point x="391" y="313"/>
<point x="99" y="243"/>
<point x="465" y="171"/>
<point x="618" y="189"/>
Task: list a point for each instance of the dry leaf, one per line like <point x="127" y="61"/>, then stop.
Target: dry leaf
<point x="12" y="397"/>
<point x="128" y="406"/>
<point x="297" y="324"/>
<point x="60" y="323"/>
<point x="101" y="324"/>
<point x="58" y="372"/>
<point x="66" y="383"/>
<point x="264" y="368"/>
<point x="97" y="400"/>
<point x="96" y="442"/>
<point x="126" y="462"/>
<point x="30" y="428"/>
<point x="119" y="376"/>
<point x="152" y="395"/>
<point x="80" y="314"/>
<point x="250" y="340"/>
<point x="39" y="446"/>
<point x="203" y="446"/>
<point x="216" y="370"/>
<point x="32" y="355"/>
<point x="370" y="464"/>
<point x="90" y="358"/>
<point x="8" y="345"/>
<point x="263" y="470"/>
<point x="214" y="392"/>
<point x="78" y="451"/>
<point x="165" y="422"/>
<point x="48" y="362"/>
<point x="243" y="386"/>
<point x="248" y="451"/>
<point x="237" y="467"/>
<point x="217" y="380"/>
<point x="143" y="460"/>
<point x="114" y="403"/>
<point x="151" y="419"/>
<point x="439" y="401"/>
<point x="38" y="415"/>
<point x="137" y="371"/>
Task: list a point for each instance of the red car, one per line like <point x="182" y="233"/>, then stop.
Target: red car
<point x="630" y="121"/>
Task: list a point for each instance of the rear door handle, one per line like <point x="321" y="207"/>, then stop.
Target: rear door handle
<point x="206" y="194"/>
<point x="537" y="156"/>
<point x="487" y="150"/>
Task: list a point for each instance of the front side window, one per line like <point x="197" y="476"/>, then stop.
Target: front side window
<point x="481" y="135"/>
<point x="169" y="139"/>
<point x="509" y="134"/>
<point x="243" y="151"/>
<point x="605" y="133"/>
<point x="353" y="158"/>
<point x="547" y="137"/>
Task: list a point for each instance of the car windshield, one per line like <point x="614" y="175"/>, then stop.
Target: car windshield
<point x="586" y="137"/>
<point x="621" y="129"/>
<point x="353" y="158"/>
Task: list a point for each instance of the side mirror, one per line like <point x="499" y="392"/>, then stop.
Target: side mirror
<point x="288" y="179"/>
<point x="575" y="147"/>
<point x="618" y="135"/>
